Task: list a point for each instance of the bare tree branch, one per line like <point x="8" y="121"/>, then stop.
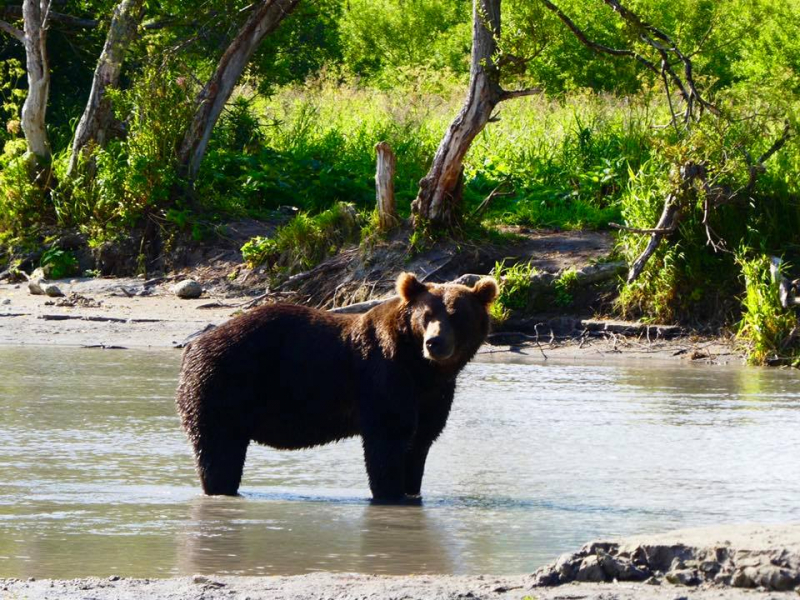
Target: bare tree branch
<point x="777" y="144"/>
<point x="757" y="167"/>
<point x="592" y="45"/>
<point x="15" y="12"/>
<point x="663" y="231"/>
<point x="509" y="94"/>
<point x="669" y="216"/>
<point x="649" y="34"/>
<point x="12" y="31"/>
<point x="662" y="43"/>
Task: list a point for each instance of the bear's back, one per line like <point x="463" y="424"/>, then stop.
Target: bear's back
<point x="283" y="369"/>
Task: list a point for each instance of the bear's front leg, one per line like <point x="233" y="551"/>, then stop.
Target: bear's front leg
<point x="415" y="467"/>
<point x="434" y="408"/>
<point x="386" y="467"/>
<point x="388" y="422"/>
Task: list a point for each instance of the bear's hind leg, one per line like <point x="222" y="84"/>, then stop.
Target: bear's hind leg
<point x="220" y="464"/>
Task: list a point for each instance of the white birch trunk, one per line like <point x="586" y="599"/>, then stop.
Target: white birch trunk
<point x="34" y="13"/>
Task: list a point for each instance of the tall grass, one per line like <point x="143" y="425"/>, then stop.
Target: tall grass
<point x="564" y="161"/>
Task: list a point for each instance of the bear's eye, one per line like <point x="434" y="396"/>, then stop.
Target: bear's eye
<point x="427" y="316"/>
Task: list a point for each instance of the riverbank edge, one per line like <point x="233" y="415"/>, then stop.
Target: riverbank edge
<point x="753" y="549"/>
<point x="129" y="314"/>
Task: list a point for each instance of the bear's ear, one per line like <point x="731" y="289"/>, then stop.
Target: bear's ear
<point x="486" y="290"/>
<point x="409" y="287"/>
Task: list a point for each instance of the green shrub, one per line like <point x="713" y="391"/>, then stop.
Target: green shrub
<point x="305" y="241"/>
<point x="564" y="286"/>
<point x="58" y="264"/>
<point x="768" y="331"/>
<point x="515" y="285"/>
<point x="137" y="175"/>
<point x="23" y="206"/>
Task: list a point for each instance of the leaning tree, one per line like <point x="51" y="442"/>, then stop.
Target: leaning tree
<point x="439" y="198"/>
<point x="263" y="20"/>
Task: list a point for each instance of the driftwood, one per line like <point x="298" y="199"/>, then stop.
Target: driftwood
<point x="96" y="319"/>
<point x="539" y="282"/>
<point x="384" y="187"/>
<point x="360" y="307"/>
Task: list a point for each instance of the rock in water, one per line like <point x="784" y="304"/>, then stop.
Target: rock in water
<point x="187" y="289"/>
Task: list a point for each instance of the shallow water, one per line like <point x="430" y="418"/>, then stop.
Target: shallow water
<point x="537" y="458"/>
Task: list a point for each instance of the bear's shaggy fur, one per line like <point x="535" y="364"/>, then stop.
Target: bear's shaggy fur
<point x="293" y="377"/>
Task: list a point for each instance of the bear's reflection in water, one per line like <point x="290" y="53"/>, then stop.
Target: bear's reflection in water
<point x="243" y="536"/>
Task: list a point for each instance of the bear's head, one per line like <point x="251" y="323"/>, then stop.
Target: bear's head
<point x="450" y="321"/>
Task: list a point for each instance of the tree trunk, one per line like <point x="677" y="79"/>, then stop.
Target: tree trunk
<point x="216" y="93"/>
<point x="384" y="187"/>
<point x="35" y="14"/>
<point x="440" y="191"/>
<point x="97" y="116"/>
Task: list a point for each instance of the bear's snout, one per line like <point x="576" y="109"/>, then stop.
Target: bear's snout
<point x="439" y="342"/>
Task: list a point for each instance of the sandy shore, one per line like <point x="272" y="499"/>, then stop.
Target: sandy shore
<point x="109" y="312"/>
<point x="134" y="313"/>
<point x="751" y="549"/>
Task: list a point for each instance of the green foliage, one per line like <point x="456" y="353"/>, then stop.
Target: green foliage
<point x="768" y="331"/>
<point x="12" y="96"/>
<point x="305" y="241"/>
<point x="58" y="263"/>
<point x="340" y="75"/>
<point x="318" y="149"/>
<point x="566" y="161"/>
<point x="397" y="41"/>
<point x="686" y="277"/>
<point x="564" y="286"/>
<point x="116" y="186"/>
<point x="515" y="285"/>
<point x="312" y="34"/>
<point x="23" y="205"/>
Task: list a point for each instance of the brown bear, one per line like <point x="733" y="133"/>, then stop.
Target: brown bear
<point x="293" y="377"/>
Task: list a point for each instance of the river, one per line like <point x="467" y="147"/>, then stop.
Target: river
<point x="537" y="458"/>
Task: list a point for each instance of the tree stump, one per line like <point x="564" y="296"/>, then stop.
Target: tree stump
<point x="384" y="187"/>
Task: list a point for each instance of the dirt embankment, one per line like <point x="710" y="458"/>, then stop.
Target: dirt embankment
<point x="738" y="563"/>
